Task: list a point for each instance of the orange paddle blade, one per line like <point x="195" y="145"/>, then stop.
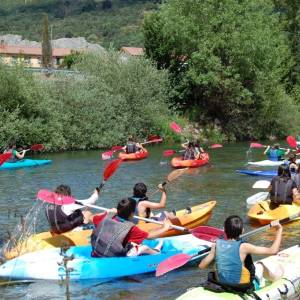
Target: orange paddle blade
<point x="111" y="168"/>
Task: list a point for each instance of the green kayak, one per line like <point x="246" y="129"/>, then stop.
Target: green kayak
<point x="286" y="287"/>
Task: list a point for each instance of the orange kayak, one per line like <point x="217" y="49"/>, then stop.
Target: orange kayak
<point x="178" y="162"/>
<point x="199" y="215"/>
<point x="262" y="213"/>
<point x="133" y="156"/>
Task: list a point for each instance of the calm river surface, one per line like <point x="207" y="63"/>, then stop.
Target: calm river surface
<point x="83" y="171"/>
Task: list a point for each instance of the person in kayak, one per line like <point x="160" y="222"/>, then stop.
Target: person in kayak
<point x="63" y="218"/>
<point x="145" y="207"/>
<point x="132" y="146"/>
<point x="232" y="257"/>
<point x="189" y="152"/>
<point x="16" y="155"/>
<point x="292" y="163"/>
<point x="117" y="235"/>
<point x="276" y="153"/>
<point x="198" y="150"/>
<point x="282" y="188"/>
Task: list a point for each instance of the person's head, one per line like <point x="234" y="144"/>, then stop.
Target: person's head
<point x="233" y="227"/>
<point x="191" y="145"/>
<point x="64" y="190"/>
<point x="126" y="208"/>
<point x="284" y="171"/>
<point x="276" y="146"/>
<point x="130" y="139"/>
<point x="140" y="190"/>
<point x="292" y="157"/>
<point x="12" y="146"/>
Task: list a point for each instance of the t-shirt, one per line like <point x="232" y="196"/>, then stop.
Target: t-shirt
<point x="135" y="234"/>
<point x="279" y="152"/>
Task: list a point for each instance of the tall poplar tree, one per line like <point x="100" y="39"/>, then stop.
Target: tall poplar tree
<point x="46" y="45"/>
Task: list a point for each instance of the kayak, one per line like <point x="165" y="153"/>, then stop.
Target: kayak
<point x="261" y="196"/>
<point x="265" y="173"/>
<point x="198" y="215"/>
<point x="270" y="163"/>
<point x="286" y="287"/>
<point x="262" y="213"/>
<point x="45" y="264"/>
<point x="133" y="156"/>
<point x="25" y="163"/>
<point x="178" y="162"/>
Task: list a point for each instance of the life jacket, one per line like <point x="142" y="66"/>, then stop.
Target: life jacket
<point x="131" y="147"/>
<point x="273" y="155"/>
<point x="107" y="238"/>
<point x="188" y="154"/>
<point x="281" y="192"/>
<point x="228" y="263"/>
<point x="13" y="156"/>
<point x="59" y="221"/>
<point x="138" y="200"/>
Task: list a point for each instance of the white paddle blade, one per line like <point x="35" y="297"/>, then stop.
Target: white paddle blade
<point x="261" y="196"/>
<point x="261" y="184"/>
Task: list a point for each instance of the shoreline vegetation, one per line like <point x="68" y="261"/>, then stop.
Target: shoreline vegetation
<point x="225" y="71"/>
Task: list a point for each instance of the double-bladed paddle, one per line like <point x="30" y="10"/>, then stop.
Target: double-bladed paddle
<point x="181" y="259"/>
<point x="292" y="141"/>
<point x="35" y="147"/>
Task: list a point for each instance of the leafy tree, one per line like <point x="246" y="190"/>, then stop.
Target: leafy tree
<point x="46" y="45"/>
<point x="229" y="62"/>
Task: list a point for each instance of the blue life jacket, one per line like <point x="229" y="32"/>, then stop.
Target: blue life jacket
<point x="273" y="155"/>
<point x="228" y="263"/>
<point x="131" y="147"/>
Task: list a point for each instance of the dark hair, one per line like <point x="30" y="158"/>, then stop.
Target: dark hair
<point x="125" y="208"/>
<point x="64" y="190"/>
<point x="292" y="157"/>
<point x="276" y="146"/>
<point x="140" y="190"/>
<point x="233" y="227"/>
<point x="190" y="144"/>
<point x="284" y="171"/>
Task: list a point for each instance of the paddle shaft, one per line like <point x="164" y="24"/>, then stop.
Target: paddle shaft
<point x="136" y="217"/>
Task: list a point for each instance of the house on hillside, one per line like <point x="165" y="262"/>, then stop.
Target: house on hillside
<point x="29" y="56"/>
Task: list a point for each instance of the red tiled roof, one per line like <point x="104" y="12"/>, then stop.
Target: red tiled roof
<point x="133" y="51"/>
<point x="35" y="51"/>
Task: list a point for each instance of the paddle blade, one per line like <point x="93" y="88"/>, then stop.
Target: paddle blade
<point x="175" y="174"/>
<point x="111" y="168"/>
<point x="291" y="141"/>
<point x="51" y="197"/>
<point x="175" y="127"/>
<point x="261" y="184"/>
<point x="153" y="137"/>
<point x="207" y="233"/>
<point x="256" y="145"/>
<point x="107" y="155"/>
<point x="116" y="148"/>
<point x="5" y="157"/>
<point x="37" y="147"/>
<point x="167" y="153"/>
<point x="215" y="146"/>
<point x="172" y="263"/>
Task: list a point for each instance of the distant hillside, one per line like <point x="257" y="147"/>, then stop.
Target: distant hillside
<point x="116" y="22"/>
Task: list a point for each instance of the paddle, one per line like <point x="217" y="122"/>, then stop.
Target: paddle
<point x="35" y="147"/>
<point x="171" y="177"/>
<point x="181" y="259"/>
<point x="175" y="127"/>
<point x="216" y="146"/>
<point x="261" y="184"/>
<point x="291" y="141"/>
<point x="5" y="157"/>
<point x="58" y="199"/>
<point x="257" y="145"/>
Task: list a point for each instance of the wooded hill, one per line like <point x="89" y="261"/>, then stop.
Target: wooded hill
<point x="116" y="22"/>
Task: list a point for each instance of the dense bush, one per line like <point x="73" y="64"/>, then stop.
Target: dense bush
<point x="229" y="62"/>
<point x="109" y="99"/>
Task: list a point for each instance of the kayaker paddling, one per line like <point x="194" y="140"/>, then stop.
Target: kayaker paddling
<point x="16" y="155"/>
<point x="233" y="262"/>
<point x="132" y="146"/>
<point x="189" y="152"/>
<point x="117" y="235"/>
<point x="63" y="218"/>
<point x="275" y="153"/>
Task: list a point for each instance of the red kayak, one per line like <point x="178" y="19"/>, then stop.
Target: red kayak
<point x="178" y="162"/>
<point x="133" y="156"/>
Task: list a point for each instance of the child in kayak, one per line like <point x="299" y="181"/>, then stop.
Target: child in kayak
<point x="198" y="150"/>
<point x="16" y="155"/>
<point x="189" y="153"/>
<point x="63" y="218"/>
<point x="232" y="257"/>
<point x="275" y="153"/>
<point x="292" y="163"/>
<point x="132" y="146"/>
<point x="117" y="235"/>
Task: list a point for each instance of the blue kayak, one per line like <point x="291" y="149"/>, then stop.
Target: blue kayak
<point x="46" y="264"/>
<point x="25" y="163"/>
<point x="265" y="173"/>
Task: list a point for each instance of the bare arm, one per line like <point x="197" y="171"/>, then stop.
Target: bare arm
<point x="205" y="262"/>
<point x="155" y="205"/>
<point x="287" y="151"/>
<point x="267" y="149"/>
<point x="20" y="155"/>
<point x="153" y="234"/>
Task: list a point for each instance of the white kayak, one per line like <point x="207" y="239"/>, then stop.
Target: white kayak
<point x="286" y="266"/>
<point x="261" y="196"/>
<point x="269" y="163"/>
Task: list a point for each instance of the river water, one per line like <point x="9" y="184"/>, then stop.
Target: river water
<point x="83" y="171"/>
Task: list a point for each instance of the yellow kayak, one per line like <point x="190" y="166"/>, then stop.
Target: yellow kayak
<point x="262" y="213"/>
<point x="199" y="215"/>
